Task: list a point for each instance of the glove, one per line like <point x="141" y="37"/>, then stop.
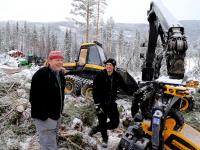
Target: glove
<point x="98" y="108"/>
<point x="138" y="96"/>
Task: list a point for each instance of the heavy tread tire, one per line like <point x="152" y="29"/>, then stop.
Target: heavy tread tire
<point x="69" y="87"/>
<point x="76" y="84"/>
<point x="77" y="88"/>
<point x="86" y="92"/>
<point x="177" y="116"/>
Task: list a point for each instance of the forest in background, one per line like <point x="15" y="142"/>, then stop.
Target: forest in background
<point x="120" y="40"/>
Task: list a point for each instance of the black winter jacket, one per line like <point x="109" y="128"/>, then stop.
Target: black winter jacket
<point x="105" y="87"/>
<point x="46" y="98"/>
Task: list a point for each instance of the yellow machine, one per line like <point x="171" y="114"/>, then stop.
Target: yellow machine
<point x="185" y="138"/>
<point x="80" y="74"/>
<point x="183" y="93"/>
<point x="166" y="128"/>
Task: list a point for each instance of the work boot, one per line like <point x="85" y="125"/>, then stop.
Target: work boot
<point x="93" y="131"/>
<point x="105" y="143"/>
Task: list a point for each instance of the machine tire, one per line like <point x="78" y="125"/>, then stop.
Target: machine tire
<point x="86" y="92"/>
<point x="69" y="86"/>
<point x="77" y="88"/>
<point x="177" y="116"/>
<point x="72" y="87"/>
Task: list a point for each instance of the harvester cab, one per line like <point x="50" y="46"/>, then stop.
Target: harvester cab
<point x="90" y="53"/>
<point x="80" y="74"/>
<point x="91" y="57"/>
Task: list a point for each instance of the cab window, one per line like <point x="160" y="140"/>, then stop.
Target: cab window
<point x="94" y="57"/>
<point x="82" y="57"/>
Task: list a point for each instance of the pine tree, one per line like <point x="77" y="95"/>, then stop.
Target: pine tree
<point x="48" y="41"/>
<point x="68" y="44"/>
<point x="8" y="41"/>
<point x="1" y="40"/>
<point x="24" y="37"/>
<point x="120" y="44"/>
<point x="15" y="37"/>
<point x="54" y="41"/>
<point x="134" y="60"/>
<point x="85" y="9"/>
<point x="34" y="41"/>
<point x="109" y="37"/>
<point x="43" y="49"/>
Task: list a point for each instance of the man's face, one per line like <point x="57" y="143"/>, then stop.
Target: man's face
<point x="56" y="64"/>
<point x="109" y="67"/>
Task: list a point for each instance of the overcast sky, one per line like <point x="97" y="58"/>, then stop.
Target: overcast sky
<point x="127" y="11"/>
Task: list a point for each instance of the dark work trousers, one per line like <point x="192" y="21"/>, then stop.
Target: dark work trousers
<point x="109" y="111"/>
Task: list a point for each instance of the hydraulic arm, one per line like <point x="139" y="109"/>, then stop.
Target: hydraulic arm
<point x="174" y="44"/>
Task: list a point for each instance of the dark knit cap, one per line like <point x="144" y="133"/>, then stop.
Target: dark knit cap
<point x="111" y="60"/>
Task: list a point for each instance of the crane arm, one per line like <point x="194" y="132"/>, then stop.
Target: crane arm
<point x="174" y="43"/>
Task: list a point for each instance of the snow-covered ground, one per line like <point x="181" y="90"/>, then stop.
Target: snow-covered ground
<point x="16" y="128"/>
<point x="16" y="101"/>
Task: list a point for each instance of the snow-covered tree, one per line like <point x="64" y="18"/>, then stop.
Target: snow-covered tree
<point x="15" y="37"/>
<point x="101" y="31"/>
<point x="1" y="40"/>
<point x="34" y="42"/>
<point x="68" y="44"/>
<point x="133" y="62"/>
<point x="54" y="41"/>
<point x="8" y="37"/>
<point x="75" y="46"/>
<point x="108" y="34"/>
<point x="42" y="45"/>
<point x="120" y="47"/>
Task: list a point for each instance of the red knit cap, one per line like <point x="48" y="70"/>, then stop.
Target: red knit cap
<point x="55" y="55"/>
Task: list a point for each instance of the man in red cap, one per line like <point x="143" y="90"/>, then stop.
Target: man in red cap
<point x="47" y="99"/>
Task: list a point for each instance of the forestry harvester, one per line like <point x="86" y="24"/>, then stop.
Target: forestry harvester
<point x="80" y="74"/>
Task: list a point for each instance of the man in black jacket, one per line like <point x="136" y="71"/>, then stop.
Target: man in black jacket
<point x="105" y="87"/>
<point x="47" y="99"/>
